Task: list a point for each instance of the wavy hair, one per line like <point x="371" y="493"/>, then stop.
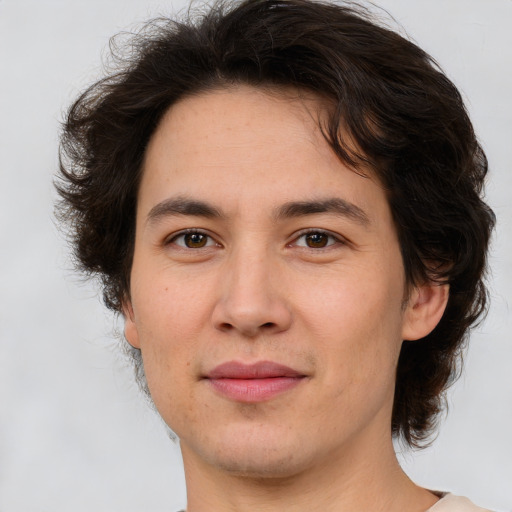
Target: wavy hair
<point x="406" y="118"/>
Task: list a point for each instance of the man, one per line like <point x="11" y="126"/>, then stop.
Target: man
<point x="283" y="200"/>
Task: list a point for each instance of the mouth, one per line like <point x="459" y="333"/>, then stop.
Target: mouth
<point x="253" y="383"/>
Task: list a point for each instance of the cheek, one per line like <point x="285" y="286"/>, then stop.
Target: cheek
<point x="357" y="323"/>
<point x="353" y="302"/>
<point x="168" y="322"/>
<point x="169" y="310"/>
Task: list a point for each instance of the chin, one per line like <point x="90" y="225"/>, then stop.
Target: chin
<point x="263" y="465"/>
<point x="256" y="454"/>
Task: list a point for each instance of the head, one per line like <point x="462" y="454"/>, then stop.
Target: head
<point x="381" y="105"/>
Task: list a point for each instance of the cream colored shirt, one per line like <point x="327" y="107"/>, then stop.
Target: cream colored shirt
<point x="452" y="503"/>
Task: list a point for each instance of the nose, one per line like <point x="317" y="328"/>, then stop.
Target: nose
<point x="252" y="299"/>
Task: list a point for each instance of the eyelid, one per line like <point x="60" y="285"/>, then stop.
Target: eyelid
<point x="170" y="239"/>
<point x="340" y="240"/>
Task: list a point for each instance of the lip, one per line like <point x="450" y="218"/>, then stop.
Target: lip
<point x="252" y="383"/>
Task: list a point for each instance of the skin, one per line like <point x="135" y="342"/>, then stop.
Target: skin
<point x="322" y="293"/>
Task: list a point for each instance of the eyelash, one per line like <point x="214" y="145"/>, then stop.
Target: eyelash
<point x="191" y="231"/>
<point x="331" y="239"/>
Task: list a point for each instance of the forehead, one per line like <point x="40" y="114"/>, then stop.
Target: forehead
<point x="242" y="145"/>
<point x="241" y="121"/>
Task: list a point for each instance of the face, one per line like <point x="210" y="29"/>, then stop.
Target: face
<point x="267" y="288"/>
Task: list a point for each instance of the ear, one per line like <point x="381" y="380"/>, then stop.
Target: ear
<point x="131" y="332"/>
<point x="424" y="310"/>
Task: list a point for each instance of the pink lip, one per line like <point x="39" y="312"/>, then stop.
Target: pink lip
<point x="253" y="383"/>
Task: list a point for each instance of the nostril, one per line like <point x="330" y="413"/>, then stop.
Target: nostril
<point x="268" y="325"/>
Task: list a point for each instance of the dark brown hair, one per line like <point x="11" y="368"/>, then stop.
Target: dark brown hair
<point x="407" y="120"/>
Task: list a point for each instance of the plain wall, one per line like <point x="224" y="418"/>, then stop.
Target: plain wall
<point x="75" y="434"/>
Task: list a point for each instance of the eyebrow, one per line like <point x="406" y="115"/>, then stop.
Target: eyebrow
<point x="182" y="206"/>
<point x="192" y="207"/>
<point x="334" y="205"/>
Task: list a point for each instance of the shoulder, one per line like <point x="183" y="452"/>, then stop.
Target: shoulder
<point x="452" y="503"/>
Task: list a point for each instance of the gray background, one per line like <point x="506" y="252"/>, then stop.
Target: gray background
<point x="74" y="432"/>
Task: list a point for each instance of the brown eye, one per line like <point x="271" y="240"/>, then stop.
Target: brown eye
<point x="193" y="240"/>
<point x="317" y="240"/>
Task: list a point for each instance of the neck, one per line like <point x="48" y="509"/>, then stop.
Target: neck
<point x="364" y="477"/>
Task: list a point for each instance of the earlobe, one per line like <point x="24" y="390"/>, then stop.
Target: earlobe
<point x="424" y="310"/>
<point x="131" y="333"/>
